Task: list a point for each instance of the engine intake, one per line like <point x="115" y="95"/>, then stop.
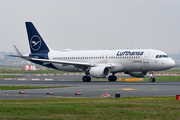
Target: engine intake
<point x="99" y="72"/>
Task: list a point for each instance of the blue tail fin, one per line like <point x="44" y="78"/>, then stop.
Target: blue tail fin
<point x="36" y="43"/>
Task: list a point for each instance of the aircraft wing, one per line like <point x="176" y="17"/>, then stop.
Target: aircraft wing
<point x="46" y="61"/>
<point x="17" y="51"/>
<point x="14" y="55"/>
<point x="19" y="54"/>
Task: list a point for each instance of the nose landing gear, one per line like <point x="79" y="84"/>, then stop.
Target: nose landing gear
<point x="152" y="79"/>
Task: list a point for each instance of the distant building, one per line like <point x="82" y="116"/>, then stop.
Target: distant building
<point x="11" y="61"/>
<point x="1" y="54"/>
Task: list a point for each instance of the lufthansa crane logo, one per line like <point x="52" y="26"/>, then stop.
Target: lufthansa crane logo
<point x="35" y="42"/>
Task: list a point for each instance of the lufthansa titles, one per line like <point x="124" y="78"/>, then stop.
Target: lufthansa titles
<point x="130" y="53"/>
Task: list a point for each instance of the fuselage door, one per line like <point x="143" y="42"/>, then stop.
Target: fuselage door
<point x="146" y="57"/>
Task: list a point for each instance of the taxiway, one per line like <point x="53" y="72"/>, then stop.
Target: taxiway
<point x="91" y="89"/>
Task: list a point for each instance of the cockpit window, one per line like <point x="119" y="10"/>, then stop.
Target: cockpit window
<point x="165" y="56"/>
<point x="161" y="56"/>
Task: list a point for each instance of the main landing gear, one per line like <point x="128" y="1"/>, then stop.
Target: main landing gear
<point x="86" y="78"/>
<point x="152" y="79"/>
<point x="112" y="78"/>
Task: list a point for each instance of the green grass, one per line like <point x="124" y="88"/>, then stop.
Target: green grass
<point x="165" y="79"/>
<point x="9" y="76"/>
<point x="29" y="87"/>
<point x="91" y="109"/>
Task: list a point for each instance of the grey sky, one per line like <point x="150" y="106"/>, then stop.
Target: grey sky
<point x="92" y="24"/>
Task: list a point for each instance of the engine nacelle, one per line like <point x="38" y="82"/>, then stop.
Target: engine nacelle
<point x="99" y="72"/>
<point x="137" y="74"/>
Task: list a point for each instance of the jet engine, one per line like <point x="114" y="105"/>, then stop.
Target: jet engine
<point x="99" y="72"/>
<point x="137" y="74"/>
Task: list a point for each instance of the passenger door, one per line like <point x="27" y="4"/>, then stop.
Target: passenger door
<point x="146" y="60"/>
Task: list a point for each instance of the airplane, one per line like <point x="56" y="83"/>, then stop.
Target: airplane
<point x="95" y="63"/>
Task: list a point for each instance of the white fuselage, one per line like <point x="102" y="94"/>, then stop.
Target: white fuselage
<point x="95" y="63"/>
<point x="121" y="60"/>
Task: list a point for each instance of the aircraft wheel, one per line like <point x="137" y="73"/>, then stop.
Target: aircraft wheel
<point x="86" y="79"/>
<point x="112" y="78"/>
<point x="89" y="78"/>
<point x="152" y="79"/>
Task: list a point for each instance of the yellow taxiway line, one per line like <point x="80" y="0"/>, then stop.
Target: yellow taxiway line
<point x="128" y="89"/>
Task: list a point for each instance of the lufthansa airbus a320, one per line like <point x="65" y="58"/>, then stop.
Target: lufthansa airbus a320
<point x="95" y="63"/>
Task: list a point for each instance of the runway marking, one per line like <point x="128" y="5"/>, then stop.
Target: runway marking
<point x="128" y="89"/>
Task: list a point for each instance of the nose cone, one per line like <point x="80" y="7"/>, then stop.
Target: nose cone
<point x="171" y="63"/>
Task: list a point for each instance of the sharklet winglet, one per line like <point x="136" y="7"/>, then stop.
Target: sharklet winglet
<point x="17" y="51"/>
